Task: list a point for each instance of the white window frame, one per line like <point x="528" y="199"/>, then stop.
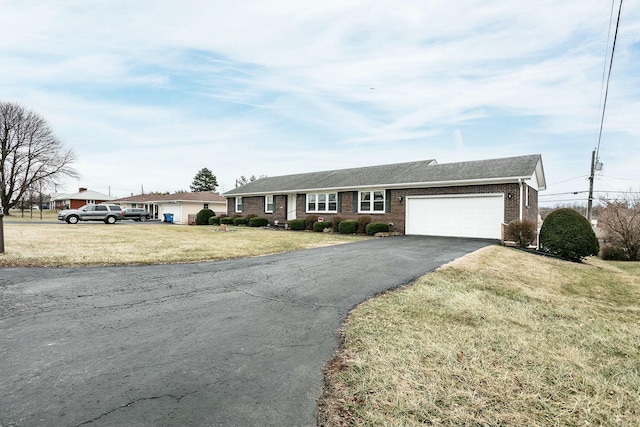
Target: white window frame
<point x="268" y="198"/>
<point x="315" y="201"/>
<point x="238" y="204"/>
<point x="372" y="201"/>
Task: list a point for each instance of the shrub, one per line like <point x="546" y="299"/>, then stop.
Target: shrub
<point x="235" y="215"/>
<point x="239" y="221"/>
<point x="226" y="220"/>
<point x="611" y="252"/>
<point x="202" y="218"/>
<point x="376" y="227"/>
<point x="363" y="221"/>
<point x="321" y="225"/>
<point x="335" y="221"/>
<point x="348" y="226"/>
<point x="297" y="224"/>
<point x="214" y="220"/>
<point x="522" y="232"/>
<point x="258" y="222"/>
<point x="567" y="234"/>
<point x="309" y="220"/>
<point x="224" y="215"/>
<point x="248" y="217"/>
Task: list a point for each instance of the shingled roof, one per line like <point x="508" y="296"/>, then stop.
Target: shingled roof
<point x="425" y="173"/>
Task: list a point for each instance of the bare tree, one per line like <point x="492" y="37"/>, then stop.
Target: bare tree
<point x="243" y="179"/>
<point x="31" y="156"/>
<point x="620" y="219"/>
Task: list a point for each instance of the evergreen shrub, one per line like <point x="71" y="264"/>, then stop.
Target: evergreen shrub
<point x="239" y="221"/>
<point x="214" y="220"/>
<point x="348" y="226"/>
<point x="567" y="234"/>
<point x="321" y="225"/>
<point x="297" y="224"/>
<point x="258" y="222"/>
<point x="377" y="227"/>
<point x="226" y="220"/>
<point x="202" y="218"/>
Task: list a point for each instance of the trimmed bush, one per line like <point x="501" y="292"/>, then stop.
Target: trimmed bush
<point x="348" y="226"/>
<point x="611" y="252"/>
<point x="321" y="225"/>
<point x="335" y="221"/>
<point x="239" y="221"/>
<point x="309" y="220"/>
<point x="248" y="217"/>
<point x="214" y="220"/>
<point x="224" y="215"/>
<point x="567" y="234"/>
<point x="377" y="227"/>
<point x="297" y="224"/>
<point x="236" y="215"/>
<point x="521" y="232"/>
<point x="258" y="222"/>
<point x="202" y="218"/>
<point x="226" y="220"/>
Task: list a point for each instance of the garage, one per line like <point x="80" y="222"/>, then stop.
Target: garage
<point x="175" y="210"/>
<point x="476" y="216"/>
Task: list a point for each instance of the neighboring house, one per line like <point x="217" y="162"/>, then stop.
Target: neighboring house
<point x="467" y="199"/>
<point x="180" y="205"/>
<point x="76" y="200"/>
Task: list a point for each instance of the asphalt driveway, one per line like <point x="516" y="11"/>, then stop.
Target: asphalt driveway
<point x="232" y="343"/>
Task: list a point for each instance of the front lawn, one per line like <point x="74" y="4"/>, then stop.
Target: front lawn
<point x="498" y="338"/>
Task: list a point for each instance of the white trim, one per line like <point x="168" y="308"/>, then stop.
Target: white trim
<point x="372" y="201"/>
<point x="238" y="204"/>
<point x="317" y="202"/>
<point x="266" y="203"/>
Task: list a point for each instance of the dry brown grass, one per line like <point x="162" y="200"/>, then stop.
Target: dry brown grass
<point x="500" y="337"/>
<point x="57" y="245"/>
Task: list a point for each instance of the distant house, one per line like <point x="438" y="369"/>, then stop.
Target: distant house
<point x="179" y="205"/>
<point x="76" y="200"/>
<point x="466" y="199"/>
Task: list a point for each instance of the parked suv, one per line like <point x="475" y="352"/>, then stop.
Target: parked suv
<point x="91" y="212"/>
<point x="136" y="214"/>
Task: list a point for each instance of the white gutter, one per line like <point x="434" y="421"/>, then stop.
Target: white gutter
<point x="521" y="200"/>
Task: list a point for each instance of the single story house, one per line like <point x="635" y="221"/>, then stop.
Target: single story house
<point x="181" y="206"/>
<point x="79" y="199"/>
<point x="465" y="199"/>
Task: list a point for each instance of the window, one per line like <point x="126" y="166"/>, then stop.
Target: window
<point x="372" y="201"/>
<point x="238" y="204"/>
<point x="100" y="208"/>
<point x="269" y="203"/>
<point x="205" y="206"/>
<point x="322" y="202"/>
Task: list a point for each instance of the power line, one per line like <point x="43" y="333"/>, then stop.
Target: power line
<point x="606" y="93"/>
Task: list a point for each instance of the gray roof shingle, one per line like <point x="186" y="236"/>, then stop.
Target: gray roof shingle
<point x="394" y="175"/>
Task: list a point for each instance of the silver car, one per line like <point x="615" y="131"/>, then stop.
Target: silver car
<point x="103" y="212"/>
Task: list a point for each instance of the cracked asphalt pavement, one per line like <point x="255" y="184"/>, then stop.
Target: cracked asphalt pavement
<point x="229" y="343"/>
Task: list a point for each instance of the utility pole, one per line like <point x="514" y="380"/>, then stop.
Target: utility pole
<point x="590" y="202"/>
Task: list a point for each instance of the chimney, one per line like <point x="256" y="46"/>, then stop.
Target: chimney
<point x="82" y="189"/>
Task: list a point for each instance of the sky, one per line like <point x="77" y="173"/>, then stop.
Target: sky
<point x="147" y="93"/>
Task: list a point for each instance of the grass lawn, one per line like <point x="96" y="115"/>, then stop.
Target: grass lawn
<point x="497" y="338"/>
<point x="59" y="245"/>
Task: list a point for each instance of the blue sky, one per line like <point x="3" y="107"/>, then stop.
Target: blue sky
<point x="147" y="93"/>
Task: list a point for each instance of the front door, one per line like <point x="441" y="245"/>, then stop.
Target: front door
<point x="291" y="207"/>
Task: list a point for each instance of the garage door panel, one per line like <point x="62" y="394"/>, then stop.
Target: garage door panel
<point x="473" y="216"/>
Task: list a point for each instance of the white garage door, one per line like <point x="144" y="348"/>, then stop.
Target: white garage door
<point x="477" y="216"/>
<point x="174" y="209"/>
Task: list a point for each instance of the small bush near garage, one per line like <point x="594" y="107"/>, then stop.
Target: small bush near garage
<point x="258" y="222"/>
<point x="309" y="220"/>
<point x="363" y="221"/>
<point x="376" y="227"/>
<point x="567" y="234"/>
<point x="202" y="218"/>
<point x="239" y="221"/>
<point x="298" y="224"/>
<point x="214" y="220"/>
<point x="611" y="252"/>
<point x="321" y="225"/>
<point x="348" y="226"/>
<point x="335" y="222"/>
<point x="226" y="221"/>
<point x="522" y="232"/>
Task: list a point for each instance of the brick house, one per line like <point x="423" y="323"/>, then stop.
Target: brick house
<point x="79" y="199"/>
<point x="466" y="199"/>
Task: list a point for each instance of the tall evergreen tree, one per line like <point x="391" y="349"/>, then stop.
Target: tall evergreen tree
<point x="204" y="180"/>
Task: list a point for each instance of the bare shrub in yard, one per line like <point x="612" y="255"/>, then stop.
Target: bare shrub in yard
<point x="335" y="222"/>
<point x="363" y="221"/>
<point x="522" y="232"/>
<point x="620" y="219"/>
